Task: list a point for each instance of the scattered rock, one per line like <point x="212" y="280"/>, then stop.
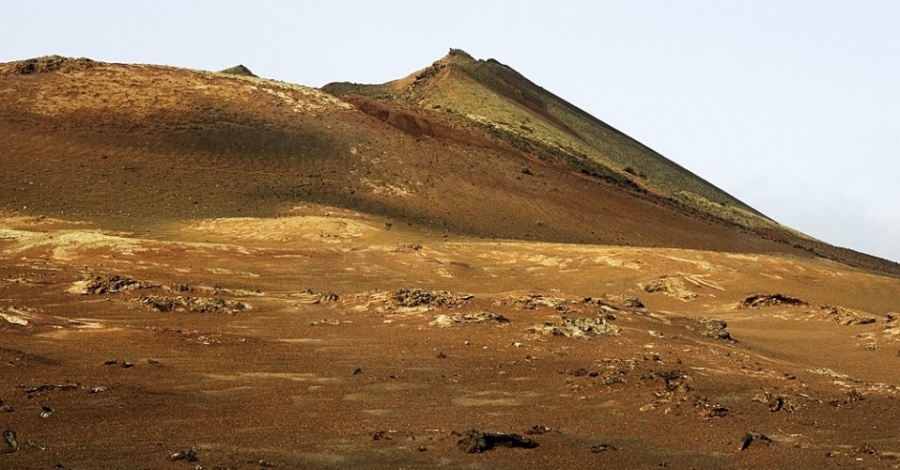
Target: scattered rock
<point x="189" y="455"/>
<point x="671" y="286"/>
<point x="537" y="430"/>
<point x="717" y="411"/>
<point x="357" y="371"/>
<point x="4" y="408"/>
<point x="676" y="381"/>
<point x="771" y="300"/>
<point x="846" y="316"/>
<point x="603" y="447"/>
<point x="193" y="304"/>
<point x="580" y="372"/>
<point x="776" y="404"/>
<point x="109" y="285"/>
<point x="381" y="435"/>
<point x="627" y="301"/>
<point x="116" y="362"/>
<point x="536" y="301"/>
<point x="754" y="436"/>
<point x="46" y="411"/>
<point x="892" y="326"/>
<point x="476" y="442"/>
<point x="854" y="396"/>
<point x="49" y="387"/>
<point x="311" y="298"/>
<point x="577" y="327"/>
<point x="865" y="449"/>
<point x="159" y="304"/>
<point x="29" y="444"/>
<point x="16" y="315"/>
<point x="407" y="248"/>
<point x="715" y="328"/>
<point x="445" y="321"/>
<point x="12" y="445"/>
<point x="97" y="390"/>
<point x="419" y="297"/>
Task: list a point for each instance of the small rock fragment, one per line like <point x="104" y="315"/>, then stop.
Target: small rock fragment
<point x="12" y="445"/>
<point x="603" y="447"/>
<point x="771" y="300"/>
<point x="186" y="455"/>
<point x="537" y="430"/>
<point x="476" y="442"/>
<point x="381" y="435"/>
<point x="754" y="436"/>
<point x="715" y="328"/>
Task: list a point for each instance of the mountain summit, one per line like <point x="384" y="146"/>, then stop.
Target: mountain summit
<point x="491" y="95"/>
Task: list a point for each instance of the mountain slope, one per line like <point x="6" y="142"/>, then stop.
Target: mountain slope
<point x="137" y="147"/>
<point x="494" y="95"/>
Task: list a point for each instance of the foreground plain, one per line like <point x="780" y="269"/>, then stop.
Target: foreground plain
<point x="321" y="339"/>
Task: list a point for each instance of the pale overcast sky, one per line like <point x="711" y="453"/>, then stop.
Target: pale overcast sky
<point x="791" y="106"/>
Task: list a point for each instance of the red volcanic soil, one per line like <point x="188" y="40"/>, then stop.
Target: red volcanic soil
<point x="326" y="341"/>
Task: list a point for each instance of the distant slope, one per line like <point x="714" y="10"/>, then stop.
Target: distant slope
<point x="137" y="147"/>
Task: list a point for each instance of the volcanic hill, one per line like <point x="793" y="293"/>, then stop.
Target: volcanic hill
<point x="454" y="269"/>
<point x="464" y="146"/>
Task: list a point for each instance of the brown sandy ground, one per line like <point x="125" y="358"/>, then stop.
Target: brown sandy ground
<point x="324" y="339"/>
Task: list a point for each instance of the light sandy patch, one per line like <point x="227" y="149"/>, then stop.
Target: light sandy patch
<point x="543" y="260"/>
<point x="742" y="257"/>
<point x="617" y="262"/>
<point x="67" y="245"/>
<point x="475" y="401"/>
<point x="386" y="188"/>
<point x="286" y="229"/>
<point x="15" y="316"/>
<point x="231" y="272"/>
<point x="700" y="280"/>
<point x="85" y="324"/>
<point x="293" y="377"/>
<point x="700" y="264"/>
<point x="61" y="332"/>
